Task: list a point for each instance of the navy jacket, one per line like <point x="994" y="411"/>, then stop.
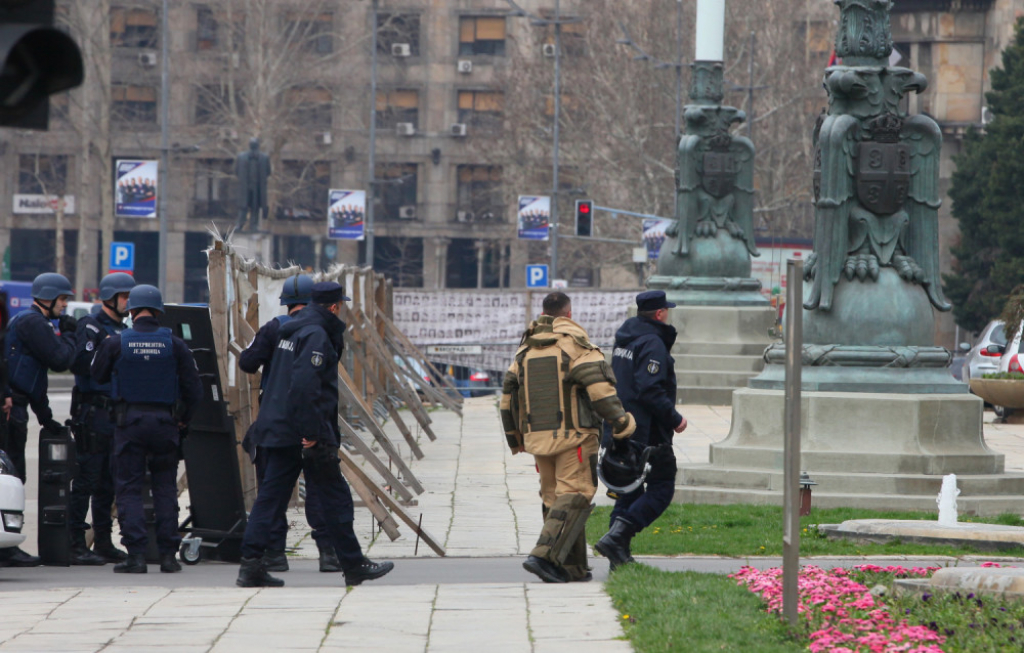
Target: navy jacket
<point x="301" y="395"/>
<point x="41" y="342"/>
<point x="646" y="377"/>
<point x="92" y="330"/>
<point x="190" y="387"/>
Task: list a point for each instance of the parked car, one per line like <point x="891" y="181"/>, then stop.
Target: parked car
<point x="1010" y="360"/>
<point x="78" y="310"/>
<point x="12" y="504"/>
<point x="982" y="358"/>
<point x="473" y="382"/>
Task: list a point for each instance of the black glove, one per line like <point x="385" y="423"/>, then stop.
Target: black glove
<point x="52" y="425"/>
<point x="67" y="324"/>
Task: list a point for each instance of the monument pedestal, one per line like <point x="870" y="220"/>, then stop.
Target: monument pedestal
<point x="864" y="450"/>
<point x="719" y="349"/>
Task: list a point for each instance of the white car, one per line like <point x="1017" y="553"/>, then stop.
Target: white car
<point x="12" y="505"/>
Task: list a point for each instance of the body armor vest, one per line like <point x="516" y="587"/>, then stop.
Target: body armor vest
<point x="27" y="375"/>
<point x="85" y="382"/>
<point x="147" y="371"/>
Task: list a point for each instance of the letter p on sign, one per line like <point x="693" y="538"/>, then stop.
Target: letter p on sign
<point x="536" y="276"/>
<point x="122" y="257"/>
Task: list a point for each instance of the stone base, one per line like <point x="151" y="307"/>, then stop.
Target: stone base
<point x="719" y="349"/>
<point x="984" y="537"/>
<point x="710" y="291"/>
<point x="916" y="380"/>
<point x="864" y="450"/>
<point x="994" y="581"/>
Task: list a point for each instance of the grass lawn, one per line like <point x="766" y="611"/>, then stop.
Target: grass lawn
<point x="692" y="612"/>
<point x="747" y="530"/>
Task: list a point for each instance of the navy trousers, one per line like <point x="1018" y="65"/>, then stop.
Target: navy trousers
<point x="17" y="438"/>
<point x="326" y="483"/>
<point x="314" y="512"/>
<point x="95" y="479"/>
<point x="148" y="440"/>
<point x="645" y="504"/>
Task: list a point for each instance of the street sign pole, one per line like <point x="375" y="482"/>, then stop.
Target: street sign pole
<point x="791" y="445"/>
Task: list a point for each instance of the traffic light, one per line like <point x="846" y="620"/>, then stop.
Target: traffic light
<point x="584" y="218"/>
<point x="36" y="61"/>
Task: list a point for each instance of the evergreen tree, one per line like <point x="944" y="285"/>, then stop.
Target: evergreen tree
<point x="988" y="200"/>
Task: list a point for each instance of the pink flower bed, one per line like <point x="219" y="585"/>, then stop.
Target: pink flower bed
<point x="841" y="614"/>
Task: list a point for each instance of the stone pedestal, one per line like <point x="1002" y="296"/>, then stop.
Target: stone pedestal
<point x="864" y="450"/>
<point x="719" y="349"/>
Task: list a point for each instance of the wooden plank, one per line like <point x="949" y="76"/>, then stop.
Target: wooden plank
<point x="366" y="412"/>
<point x="395" y="508"/>
<point x="428" y="388"/>
<point x="372" y="503"/>
<point x="418" y="355"/>
<point x="364" y="449"/>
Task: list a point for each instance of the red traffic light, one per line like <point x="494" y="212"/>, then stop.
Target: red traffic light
<point x="584" y="208"/>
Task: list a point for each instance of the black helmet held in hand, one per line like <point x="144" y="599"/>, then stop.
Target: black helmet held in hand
<point x="623" y="466"/>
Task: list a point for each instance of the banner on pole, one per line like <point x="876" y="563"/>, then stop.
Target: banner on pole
<point x="534" y="217"/>
<point x="135" y="189"/>
<point x="654" y="235"/>
<point x="346" y="214"/>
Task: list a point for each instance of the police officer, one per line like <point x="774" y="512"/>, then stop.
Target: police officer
<point x="94" y="431"/>
<point x="643" y="364"/>
<point x="554" y="396"/>
<point x="32" y="348"/>
<point x="295" y="295"/>
<point x="155" y="386"/>
<point x="297" y="432"/>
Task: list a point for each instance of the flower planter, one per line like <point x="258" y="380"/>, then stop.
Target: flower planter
<point x="1008" y="393"/>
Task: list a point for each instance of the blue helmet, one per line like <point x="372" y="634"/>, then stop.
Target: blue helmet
<point x="114" y="283"/>
<point x="51" y="285"/>
<point x="298" y="289"/>
<point x="145" y="296"/>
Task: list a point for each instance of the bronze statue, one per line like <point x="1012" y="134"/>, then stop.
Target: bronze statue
<point x="252" y="169"/>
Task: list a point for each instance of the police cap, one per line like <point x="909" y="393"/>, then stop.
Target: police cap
<point x="652" y="300"/>
<point x="328" y="292"/>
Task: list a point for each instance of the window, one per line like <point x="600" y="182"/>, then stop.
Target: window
<point x="218" y="30"/>
<point x="394" y="107"/>
<point x="482" y="109"/>
<point x="393" y="29"/>
<point x="216" y="106"/>
<point x="574" y="36"/>
<point x="133" y="28"/>
<point x="482" y="35"/>
<point x="311" y="106"/>
<point x="60" y="106"/>
<point x="304" y="186"/>
<point x="570" y="104"/>
<point x="395" y="189"/>
<point x="213" y="193"/>
<point x="133" y="103"/>
<point x="42" y="174"/>
<point x="479" y="191"/>
<point x="309" y="33"/>
<point x="206" y="29"/>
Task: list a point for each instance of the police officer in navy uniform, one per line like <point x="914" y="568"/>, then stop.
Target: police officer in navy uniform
<point x="93" y="429"/>
<point x="32" y="348"/>
<point x="643" y="365"/>
<point x="295" y="295"/>
<point x="155" y="386"/>
<point x="297" y="431"/>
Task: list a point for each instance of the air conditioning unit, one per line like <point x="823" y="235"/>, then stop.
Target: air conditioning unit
<point x="986" y="115"/>
<point x="464" y="216"/>
<point x="405" y="129"/>
<point x="486" y="216"/>
<point x="147" y="59"/>
<point x="323" y="138"/>
<point x="400" y="50"/>
<point x="407" y="212"/>
<point x="458" y="129"/>
<point x="227" y="134"/>
<point x="465" y="66"/>
<point x="549" y="50"/>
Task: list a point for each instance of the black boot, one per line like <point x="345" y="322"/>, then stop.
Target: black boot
<point x="80" y="555"/>
<point x="15" y="557"/>
<point x="614" y="545"/>
<point x="135" y="563"/>
<point x="367" y="570"/>
<point x="253" y="573"/>
<point x="275" y="561"/>
<point x="546" y="570"/>
<point x="104" y="547"/>
<point x="168" y="564"/>
<point x="329" y="560"/>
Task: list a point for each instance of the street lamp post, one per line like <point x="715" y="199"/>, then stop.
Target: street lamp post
<point x="372" y="154"/>
<point x="164" y="154"/>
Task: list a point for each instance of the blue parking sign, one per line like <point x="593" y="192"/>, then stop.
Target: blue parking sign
<point x="536" y="276"/>
<point x="122" y="257"/>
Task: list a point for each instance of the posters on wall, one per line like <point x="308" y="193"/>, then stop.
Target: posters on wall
<point x="135" y="188"/>
<point x="654" y="235"/>
<point x="534" y="217"/>
<point x="346" y="214"/>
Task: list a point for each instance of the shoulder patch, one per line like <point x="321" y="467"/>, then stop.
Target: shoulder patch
<point x="93" y="328"/>
<point x="317" y="359"/>
<point x="653" y="367"/>
<point x="90" y="345"/>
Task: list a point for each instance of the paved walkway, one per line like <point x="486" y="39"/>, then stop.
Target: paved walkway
<point x="481" y="501"/>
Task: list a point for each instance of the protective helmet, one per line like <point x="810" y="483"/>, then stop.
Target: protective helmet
<point x="145" y="296"/>
<point x="114" y="283"/>
<point x="297" y="289"/>
<point x="623" y="470"/>
<point x="50" y="285"/>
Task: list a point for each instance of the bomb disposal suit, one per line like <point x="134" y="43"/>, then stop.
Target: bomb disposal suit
<point x="554" y="397"/>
